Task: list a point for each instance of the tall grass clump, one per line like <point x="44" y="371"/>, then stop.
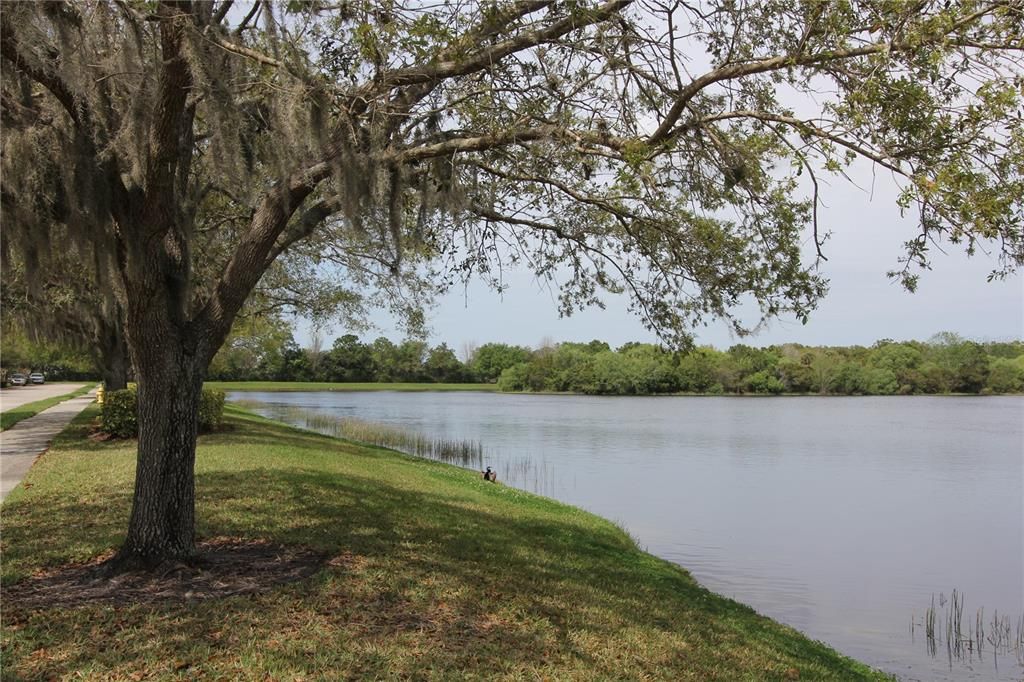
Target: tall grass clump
<point x="464" y="453"/>
<point x="515" y="469"/>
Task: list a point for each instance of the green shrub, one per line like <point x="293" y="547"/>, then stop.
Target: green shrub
<point x="514" y="378"/>
<point x="119" y="416"/>
<point x="211" y="409"/>
<point x="765" y="382"/>
<point x="1006" y="376"/>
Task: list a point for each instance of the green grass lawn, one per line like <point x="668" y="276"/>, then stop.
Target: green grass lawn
<point x="326" y="386"/>
<point x="17" y="414"/>
<point x="445" y="577"/>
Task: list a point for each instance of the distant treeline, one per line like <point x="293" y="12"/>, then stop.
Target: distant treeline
<point x="946" y="363"/>
<point x="20" y="353"/>
<point x="246" y="358"/>
<point x="265" y="350"/>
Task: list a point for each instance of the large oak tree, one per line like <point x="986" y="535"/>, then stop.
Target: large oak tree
<point x="670" y="150"/>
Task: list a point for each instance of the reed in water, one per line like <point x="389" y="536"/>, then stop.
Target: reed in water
<point x="464" y="453"/>
<point x="998" y="635"/>
<point x="516" y="470"/>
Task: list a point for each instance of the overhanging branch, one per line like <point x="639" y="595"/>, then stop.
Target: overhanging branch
<point x="10" y="48"/>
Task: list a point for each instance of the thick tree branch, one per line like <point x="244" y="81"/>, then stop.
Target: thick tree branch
<point x="501" y="139"/>
<point x="733" y="71"/>
<point x="10" y="49"/>
<point x="250" y="258"/>
<point x="448" y="68"/>
<point x="246" y="52"/>
<point x="475" y="144"/>
<point x="305" y="225"/>
<point x="244" y="24"/>
<point x="169" y="121"/>
<point x="222" y="11"/>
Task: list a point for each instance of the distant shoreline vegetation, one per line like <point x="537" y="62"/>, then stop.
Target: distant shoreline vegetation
<point x="945" y="364"/>
<point x="942" y="366"/>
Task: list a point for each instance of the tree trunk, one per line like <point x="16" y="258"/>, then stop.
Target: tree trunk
<point x="163" y="510"/>
<point x="115" y="376"/>
<point x="113" y="360"/>
<point x="170" y="364"/>
<point x="171" y="350"/>
<point x="155" y="266"/>
<point x="171" y="340"/>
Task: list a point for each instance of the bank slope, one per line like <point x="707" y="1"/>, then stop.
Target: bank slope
<point x="440" y="575"/>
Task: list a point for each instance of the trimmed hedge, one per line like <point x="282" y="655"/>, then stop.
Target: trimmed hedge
<point x="211" y="409"/>
<point x="119" y="416"/>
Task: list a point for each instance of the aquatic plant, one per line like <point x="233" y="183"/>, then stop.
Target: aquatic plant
<point x="521" y="471"/>
<point x="998" y="635"/>
<point x="464" y="453"/>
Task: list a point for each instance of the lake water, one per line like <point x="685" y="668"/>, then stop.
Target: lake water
<point x="842" y="517"/>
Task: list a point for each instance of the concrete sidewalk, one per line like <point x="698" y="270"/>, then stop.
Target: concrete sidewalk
<point x="26" y="440"/>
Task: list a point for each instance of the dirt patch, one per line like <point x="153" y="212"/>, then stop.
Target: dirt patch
<point x="222" y="567"/>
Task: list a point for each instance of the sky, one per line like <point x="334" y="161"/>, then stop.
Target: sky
<point x="862" y="305"/>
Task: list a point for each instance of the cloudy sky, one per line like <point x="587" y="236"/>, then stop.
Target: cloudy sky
<point x="863" y="304"/>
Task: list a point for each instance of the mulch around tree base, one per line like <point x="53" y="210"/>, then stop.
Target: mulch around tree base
<point x="221" y="567"/>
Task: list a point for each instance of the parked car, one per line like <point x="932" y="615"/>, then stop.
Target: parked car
<point x="18" y="379"/>
<point x="37" y="378"/>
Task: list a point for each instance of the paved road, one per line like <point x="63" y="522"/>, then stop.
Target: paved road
<point x="16" y="396"/>
<point x="26" y="440"/>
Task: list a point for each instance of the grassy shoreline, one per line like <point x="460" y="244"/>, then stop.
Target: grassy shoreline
<point x="11" y="417"/>
<point x="445" y="577"/>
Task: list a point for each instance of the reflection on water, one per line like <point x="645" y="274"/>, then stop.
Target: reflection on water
<point x="839" y="516"/>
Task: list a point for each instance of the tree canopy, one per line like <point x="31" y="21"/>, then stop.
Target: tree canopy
<point x="671" y="151"/>
<point x="654" y="148"/>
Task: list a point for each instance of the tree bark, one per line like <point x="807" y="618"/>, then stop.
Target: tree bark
<point x="163" y="510"/>
<point x="171" y="350"/>
<point x="155" y="263"/>
<point x="170" y="364"/>
<point x="115" y="374"/>
<point x="113" y="360"/>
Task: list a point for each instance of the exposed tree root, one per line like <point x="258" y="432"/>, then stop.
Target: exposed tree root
<point x="221" y="567"/>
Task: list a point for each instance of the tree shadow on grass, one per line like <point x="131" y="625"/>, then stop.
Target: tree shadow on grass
<point x="549" y="568"/>
<point x="71" y="530"/>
